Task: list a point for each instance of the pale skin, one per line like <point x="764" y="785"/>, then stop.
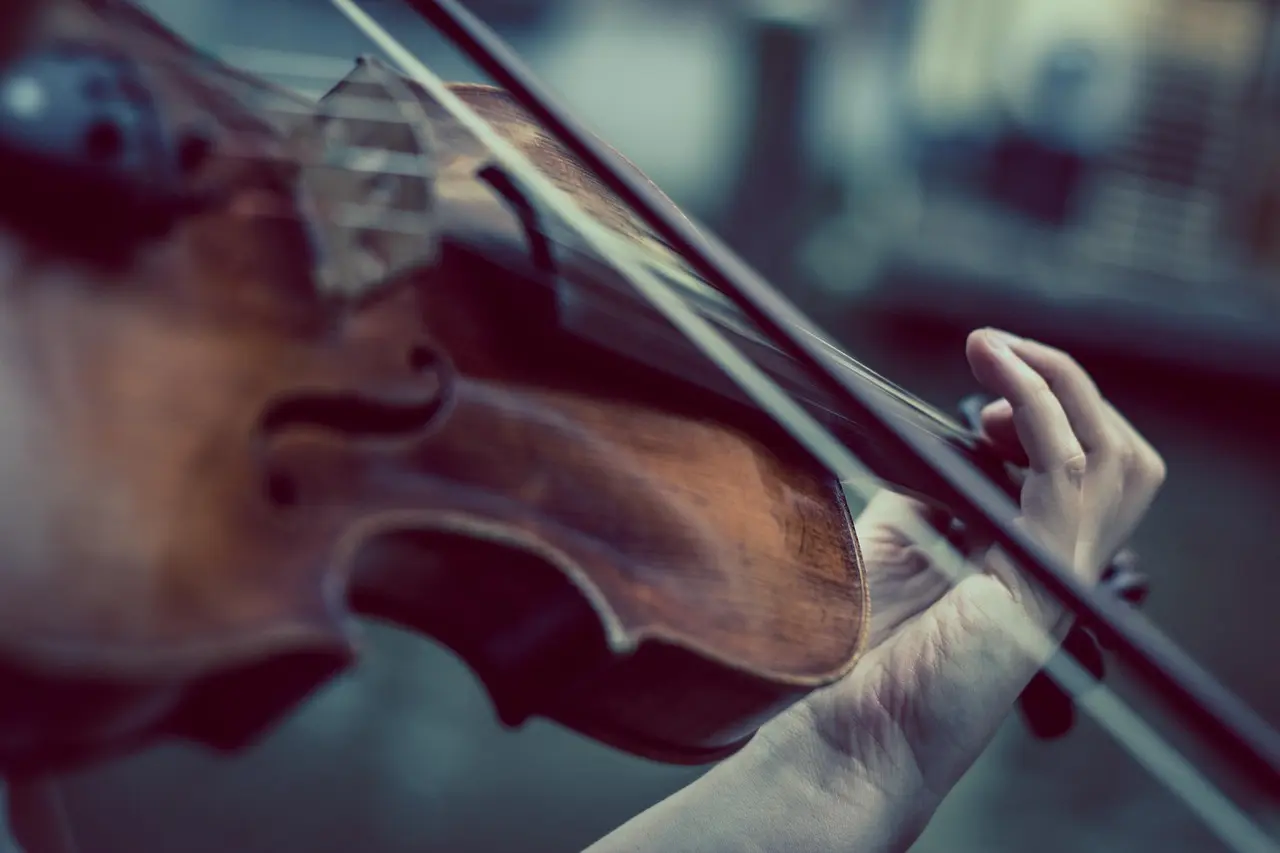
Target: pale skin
<point x="863" y="765"/>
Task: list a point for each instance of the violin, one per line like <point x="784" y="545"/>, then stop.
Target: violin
<point x="270" y="365"/>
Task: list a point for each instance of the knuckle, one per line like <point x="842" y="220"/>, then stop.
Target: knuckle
<point x="1076" y="466"/>
<point x="1144" y="465"/>
<point x="1155" y="467"/>
<point x="1132" y="469"/>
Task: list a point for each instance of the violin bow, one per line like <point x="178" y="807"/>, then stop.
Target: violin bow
<point x="1225" y="722"/>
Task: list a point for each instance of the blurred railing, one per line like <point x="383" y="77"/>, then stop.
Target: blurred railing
<point x="1046" y="203"/>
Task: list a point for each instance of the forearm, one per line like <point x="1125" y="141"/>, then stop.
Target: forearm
<point x="848" y="771"/>
<point x="781" y="794"/>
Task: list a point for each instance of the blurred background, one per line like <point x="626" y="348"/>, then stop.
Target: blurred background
<point x="1099" y="174"/>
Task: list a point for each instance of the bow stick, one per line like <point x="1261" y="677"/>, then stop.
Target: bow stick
<point x="1239" y="733"/>
<point x="1226" y="722"/>
<point x="1219" y="814"/>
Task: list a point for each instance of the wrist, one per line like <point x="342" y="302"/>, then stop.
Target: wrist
<point x="860" y="801"/>
<point x="785" y="791"/>
<point x="915" y="714"/>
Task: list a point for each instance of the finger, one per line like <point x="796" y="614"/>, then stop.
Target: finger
<point x="1041" y="422"/>
<point x="996" y="420"/>
<point x="1076" y="392"/>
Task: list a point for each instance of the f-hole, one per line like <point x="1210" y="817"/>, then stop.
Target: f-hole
<point x="510" y="192"/>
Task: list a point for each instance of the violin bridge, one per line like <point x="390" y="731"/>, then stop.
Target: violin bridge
<point x="370" y="186"/>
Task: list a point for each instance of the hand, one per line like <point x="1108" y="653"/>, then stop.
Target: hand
<point x="863" y="764"/>
<point x="943" y="670"/>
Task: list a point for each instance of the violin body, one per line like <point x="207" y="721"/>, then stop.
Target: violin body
<point x="243" y="433"/>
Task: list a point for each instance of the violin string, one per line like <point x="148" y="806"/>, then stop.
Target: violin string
<point x="356" y="217"/>
<point x="368" y="109"/>
<point x="344" y="106"/>
<point x="1225" y="829"/>
<point x="1180" y="777"/>
<point x="693" y="282"/>
<point x="324" y="69"/>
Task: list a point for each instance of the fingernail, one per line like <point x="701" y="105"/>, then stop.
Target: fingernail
<point x="1000" y="343"/>
<point x="997" y="408"/>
